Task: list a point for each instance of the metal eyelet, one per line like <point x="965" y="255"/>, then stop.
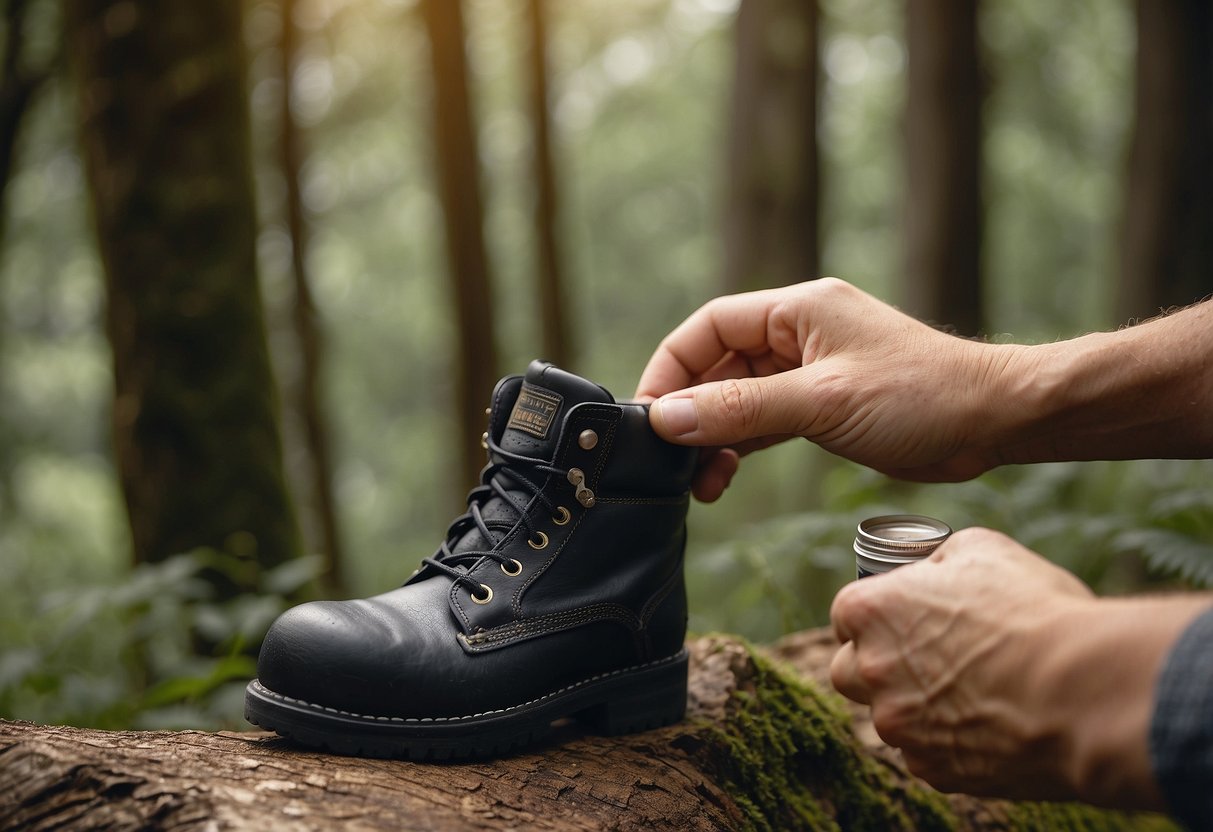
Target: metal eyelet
<point x="517" y="568"/>
<point x="562" y="516"/>
<point x="486" y="598"/>
<point x="484" y="440"/>
<point x="541" y="543"/>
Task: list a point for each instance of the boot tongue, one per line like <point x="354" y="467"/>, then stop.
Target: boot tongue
<point x="547" y="393"/>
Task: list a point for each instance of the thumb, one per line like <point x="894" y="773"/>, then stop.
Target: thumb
<point x="732" y="411"/>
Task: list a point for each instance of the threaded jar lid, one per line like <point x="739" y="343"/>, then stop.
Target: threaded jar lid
<point x="905" y="535"/>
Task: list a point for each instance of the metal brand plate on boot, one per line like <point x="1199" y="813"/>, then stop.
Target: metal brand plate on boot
<point x="534" y="410"/>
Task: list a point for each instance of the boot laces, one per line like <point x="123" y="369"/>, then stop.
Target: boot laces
<point x="519" y="473"/>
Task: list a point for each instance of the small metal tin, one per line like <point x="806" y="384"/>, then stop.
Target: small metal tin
<point x="884" y="543"/>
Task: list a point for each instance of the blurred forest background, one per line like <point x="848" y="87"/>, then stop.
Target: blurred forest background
<point x="261" y="261"/>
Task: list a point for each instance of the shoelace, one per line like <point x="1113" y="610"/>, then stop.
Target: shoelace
<point x="511" y="469"/>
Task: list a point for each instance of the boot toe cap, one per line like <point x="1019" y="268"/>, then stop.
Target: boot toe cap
<point x="328" y="653"/>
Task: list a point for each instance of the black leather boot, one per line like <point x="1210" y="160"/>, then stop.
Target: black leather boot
<point x="558" y="594"/>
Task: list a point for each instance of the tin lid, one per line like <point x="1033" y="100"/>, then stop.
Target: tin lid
<point x="907" y="535"/>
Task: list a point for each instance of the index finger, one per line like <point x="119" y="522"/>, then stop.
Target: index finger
<point x="735" y="323"/>
<point x="852" y="608"/>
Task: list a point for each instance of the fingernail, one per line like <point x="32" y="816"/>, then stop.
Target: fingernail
<point x="679" y="415"/>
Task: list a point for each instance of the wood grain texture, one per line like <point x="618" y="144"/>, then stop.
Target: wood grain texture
<point x="684" y="777"/>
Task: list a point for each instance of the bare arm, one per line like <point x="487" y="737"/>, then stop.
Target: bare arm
<point x="828" y="362"/>
<point x="1145" y="391"/>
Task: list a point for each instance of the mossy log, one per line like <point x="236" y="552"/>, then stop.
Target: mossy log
<point x="766" y="745"/>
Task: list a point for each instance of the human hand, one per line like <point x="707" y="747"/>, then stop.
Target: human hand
<point x="828" y="362"/>
<point x="997" y="673"/>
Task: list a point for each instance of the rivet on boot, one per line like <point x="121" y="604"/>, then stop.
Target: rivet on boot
<point x="584" y="495"/>
<point x="587" y="440"/>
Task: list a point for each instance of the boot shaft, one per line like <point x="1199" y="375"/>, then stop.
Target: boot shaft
<point x="612" y="549"/>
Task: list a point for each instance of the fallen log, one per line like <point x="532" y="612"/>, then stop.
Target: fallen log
<point x="766" y="745"/>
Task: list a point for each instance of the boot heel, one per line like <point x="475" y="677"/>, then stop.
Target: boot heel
<point x="653" y="699"/>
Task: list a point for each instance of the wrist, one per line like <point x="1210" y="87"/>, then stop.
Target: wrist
<point x="1139" y="392"/>
<point x="1014" y="389"/>
<point x="1097" y="681"/>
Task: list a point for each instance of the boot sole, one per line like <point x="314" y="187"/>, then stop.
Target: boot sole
<point x="621" y="702"/>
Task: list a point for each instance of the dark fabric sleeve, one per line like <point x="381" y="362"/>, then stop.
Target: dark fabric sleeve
<point x="1181" y="730"/>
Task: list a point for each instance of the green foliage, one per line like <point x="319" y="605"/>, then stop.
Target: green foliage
<point x="1120" y="526"/>
<point x="1045" y="817"/>
<point x="127" y="653"/>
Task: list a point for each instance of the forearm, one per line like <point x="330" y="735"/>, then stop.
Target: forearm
<point x="1097" y="681"/>
<point x="1145" y="391"/>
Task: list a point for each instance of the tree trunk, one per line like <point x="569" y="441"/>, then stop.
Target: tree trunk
<point x="760" y="749"/>
<point x="458" y="164"/>
<point x="164" y="134"/>
<point x="550" y="279"/>
<point x="943" y="224"/>
<point x="308" y="387"/>
<point x="771" y="208"/>
<point x="1167" y="245"/>
<point x="17" y="88"/>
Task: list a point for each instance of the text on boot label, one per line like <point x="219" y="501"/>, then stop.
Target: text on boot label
<point x="534" y="410"/>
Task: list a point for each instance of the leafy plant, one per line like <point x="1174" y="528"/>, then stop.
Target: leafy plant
<point x="127" y="653"/>
<point x="1120" y="526"/>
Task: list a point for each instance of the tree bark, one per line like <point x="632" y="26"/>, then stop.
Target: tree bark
<point x="308" y="387"/>
<point x="943" y="214"/>
<point x="164" y="132"/>
<point x="458" y="168"/>
<point x="553" y="312"/>
<point x="1167" y="245"/>
<point x="762" y="748"/>
<point x="771" y="208"/>
<point x="18" y="85"/>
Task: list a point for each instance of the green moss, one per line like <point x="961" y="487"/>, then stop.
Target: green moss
<point x="789" y="760"/>
<point x="1081" y="818"/>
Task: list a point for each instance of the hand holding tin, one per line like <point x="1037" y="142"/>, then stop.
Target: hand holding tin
<point x="998" y="673"/>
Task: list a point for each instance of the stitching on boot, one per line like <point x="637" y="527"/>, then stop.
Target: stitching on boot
<point x="644" y="501"/>
<point x="605" y="454"/>
<point x="371" y="718"/>
<point x="653" y="603"/>
<point x="529" y="628"/>
<point x="516" y="601"/>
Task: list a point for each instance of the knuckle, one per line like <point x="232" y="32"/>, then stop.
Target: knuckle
<point x="831" y="287"/>
<point x="850" y="609"/>
<point x="741" y="402"/>
<point x="892" y="724"/>
<point x="974" y="538"/>
<point x="872" y="669"/>
<point x="840" y="676"/>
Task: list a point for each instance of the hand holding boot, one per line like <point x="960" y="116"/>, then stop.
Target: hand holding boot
<point x="828" y="362"/>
